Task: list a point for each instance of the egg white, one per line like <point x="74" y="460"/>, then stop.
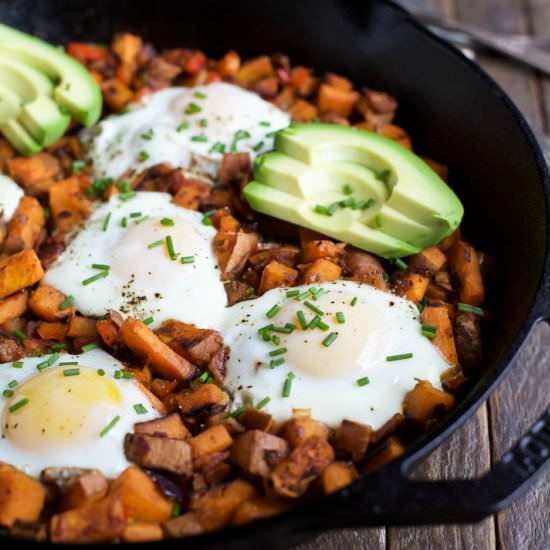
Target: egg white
<point x="143" y="282"/>
<point x="45" y="438"/>
<point x="210" y="114"/>
<point x="377" y="326"/>
<point x="10" y="195"/>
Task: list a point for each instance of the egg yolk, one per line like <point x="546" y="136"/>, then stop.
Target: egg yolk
<point x="60" y="409"/>
<point x="359" y="342"/>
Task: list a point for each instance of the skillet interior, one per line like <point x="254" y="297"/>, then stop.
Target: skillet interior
<point x="453" y="112"/>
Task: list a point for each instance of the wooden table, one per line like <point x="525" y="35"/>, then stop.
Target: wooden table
<point x="525" y="392"/>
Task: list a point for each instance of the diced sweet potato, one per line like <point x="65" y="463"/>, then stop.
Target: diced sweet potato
<point x="339" y="82"/>
<point x="101" y="521"/>
<point x="254" y="70"/>
<point x="267" y="87"/>
<point x="191" y="193"/>
<point x="158" y="405"/>
<point x="303" y="81"/>
<point x="36" y="174"/>
<point x="159" y="453"/>
<point x="437" y="315"/>
<point x="45" y="301"/>
<point x="243" y="247"/>
<point x="336" y="476"/>
<point x="428" y="261"/>
<point x="353" y="439"/>
<point x="452" y="379"/>
<point x="321" y="271"/>
<point x="257" y="452"/>
<point x="21" y="496"/>
<point x="13" y="306"/>
<point x="150" y="348"/>
<point x="468" y="340"/>
<point x="206" y="399"/>
<point x="168" y="426"/>
<point x="387" y="451"/>
<point x="127" y="48"/>
<point x="253" y="419"/>
<point x="316" y="249"/>
<point x="225" y="238"/>
<point x="276" y="274"/>
<point x="195" y="344"/>
<point x="140" y="496"/>
<point x="107" y="331"/>
<point x="286" y="254"/>
<point x="142" y="532"/>
<point x="292" y="476"/>
<point x="298" y="429"/>
<point x="364" y="268"/>
<point x="82" y="327"/>
<point x="334" y="100"/>
<point x="52" y="331"/>
<point x="185" y="525"/>
<point x="396" y="134"/>
<point x="229" y="64"/>
<point x="412" y="286"/>
<point x="212" y="440"/>
<point x="19" y="271"/>
<point x="303" y="111"/>
<point x="259" y="508"/>
<point x="116" y="94"/>
<point x="387" y="428"/>
<point x="424" y="403"/>
<point x="89" y="486"/>
<point x="25" y="226"/>
<point x="69" y="205"/>
<point x="465" y="266"/>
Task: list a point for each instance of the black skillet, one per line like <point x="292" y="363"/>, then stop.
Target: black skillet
<point x="456" y="114"/>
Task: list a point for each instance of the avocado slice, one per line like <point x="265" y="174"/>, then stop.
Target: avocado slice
<point x="75" y="89"/>
<point x="37" y="112"/>
<point x="384" y="198"/>
<point x="19" y="138"/>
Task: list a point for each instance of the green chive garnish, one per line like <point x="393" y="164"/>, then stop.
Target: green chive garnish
<point x="147" y="135"/>
<point x="237" y="413"/>
<point x="135" y="214"/>
<point x="199" y="139"/>
<point x="143" y="156"/>
<point x="467" y="308"/>
<point x="12" y="384"/>
<point x="18" y="405"/>
<point x="321" y="325"/>
<point x="332" y="208"/>
<point x="167" y="222"/>
<point x="20" y="334"/>
<point x="155" y="244"/>
<point x="106" y="222"/>
<point x="170" y="247"/>
<point x="71" y="372"/>
<point x="67" y="302"/>
<point x="7" y="393"/>
<point x="302" y="296"/>
<point x="276" y="362"/>
<point x="363" y="381"/>
<point x="265" y="123"/>
<point x="118" y="374"/>
<point x="127" y="375"/>
<point x="218" y="147"/>
<point x="399" y="263"/>
<point x="96" y="277"/>
<point x="284" y="330"/>
<point x="67" y="363"/>
<point x="353" y="301"/>
<point x="347" y="189"/>
<point x="182" y="126"/>
<point x="187" y="259"/>
<point x="148" y="321"/>
<point x="399" y="357"/>
<point x="273" y="311"/>
<point x="102" y="267"/>
<point x="203" y="377"/>
<point x="302" y="319"/>
<point x="192" y="108"/>
<point x="363" y="205"/>
<point x="100" y="372"/>
<point x="340" y="318"/>
<point x="320" y="209"/>
<point x="314" y="322"/>
<point x="313" y="307"/>
<point x="77" y="166"/>
<point x="263" y="403"/>
<point x="140" y="409"/>
<point x="17" y="364"/>
<point x="199" y="95"/>
<point x="203" y="123"/>
<point x="275" y="339"/>
<point x="57" y="347"/>
<point x="124" y="222"/>
<point x="127" y="196"/>
<point x="258" y="146"/>
<point x="89" y="347"/>
<point x="287" y="386"/>
<point x="430" y="331"/>
<point x="330" y="339"/>
<point x="275" y="352"/>
<point x="109" y="426"/>
<point x="292" y="293"/>
<point x="48" y="362"/>
<point x="176" y="509"/>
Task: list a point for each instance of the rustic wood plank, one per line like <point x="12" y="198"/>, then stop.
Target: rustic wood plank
<point x="365" y="539"/>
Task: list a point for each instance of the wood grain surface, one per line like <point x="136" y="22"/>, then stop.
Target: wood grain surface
<point x="525" y="392"/>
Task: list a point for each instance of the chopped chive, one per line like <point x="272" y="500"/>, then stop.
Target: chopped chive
<point x="68" y="301"/>
<point x="135" y="214"/>
<point x="322" y="325"/>
<point x="320" y="209"/>
<point x="329" y="339"/>
<point x="347" y="189"/>
<point x="422" y="304"/>
<point x="203" y="377"/>
<point x="47" y="213"/>
<point x="399" y="357"/>
<point x="276" y="362"/>
<point x="290" y="326"/>
<point x="142" y="219"/>
<point x="347" y="203"/>
<point x="109" y="426"/>
<point x="67" y="363"/>
<point x="71" y="372"/>
<point x="140" y="409"/>
<point x="192" y="108"/>
<point x="266" y="328"/>
<point x="265" y="123"/>
<point x="314" y="322"/>
<point x="302" y="319"/>
<point x="118" y="374"/>
<point x="203" y="123"/>
<point x="302" y="296"/>
<point x="48" y="362"/>
<point x="20" y="334"/>
<point x="275" y="352"/>
<point x="266" y="337"/>
<point x="148" y="321"/>
<point x="263" y="403"/>
<point x="237" y="413"/>
<point x="399" y="263"/>
<point x="100" y="372"/>
<point x="7" y="393"/>
<point x="58" y="346"/>
<point x="430" y="331"/>
<point x="312" y="290"/>
<point x="77" y="166"/>
<point x="98" y="187"/>
<point x="199" y="95"/>
<point x="340" y="318"/>
<point x="287" y="386"/>
<point x="199" y="139"/>
<point x="167" y="222"/>
<point x="147" y="135"/>
<point x="363" y="381"/>
<point x="273" y="311"/>
<point x="218" y="147"/>
<point x="155" y="244"/>
<point x="96" y="277"/>
<point x="170" y="247"/>
<point x="292" y="293"/>
<point x="127" y="375"/>
<point x="89" y="347"/>
<point x="143" y="156"/>
<point x="187" y="259"/>
<point x="275" y="339"/>
<point x="364" y="204"/>
<point x="206" y="219"/>
<point x="313" y="307"/>
<point x="332" y="208"/>
<point x="250" y="291"/>
<point x="18" y="405"/>
<point x="284" y="330"/>
<point x="353" y="301"/>
<point x="176" y="509"/>
<point x="318" y="293"/>
<point x="239" y="135"/>
<point x="17" y="364"/>
<point x="258" y="146"/>
<point x="467" y="308"/>
<point x="12" y="384"/>
<point x="182" y="126"/>
<point x="377" y="223"/>
<point x="102" y="267"/>
<point x="127" y="195"/>
<point x="124" y="222"/>
<point x="123" y="186"/>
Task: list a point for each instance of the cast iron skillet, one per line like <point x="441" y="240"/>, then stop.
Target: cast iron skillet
<point x="456" y="114"/>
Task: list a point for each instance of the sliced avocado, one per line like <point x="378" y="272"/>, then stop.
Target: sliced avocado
<point x="318" y="165"/>
<point x="75" y="90"/>
<point x="37" y="112"/>
<point x="19" y="138"/>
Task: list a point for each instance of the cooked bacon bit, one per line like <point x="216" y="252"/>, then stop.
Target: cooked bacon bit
<point x="257" y="452"/>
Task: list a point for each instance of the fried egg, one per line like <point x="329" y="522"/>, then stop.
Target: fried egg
<point x="10" y="195"/>
<point x="146" y="258"/>
<point x="364" y="356"/>
<point x="68" y="410"/>
<point x="190" y="128"/>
